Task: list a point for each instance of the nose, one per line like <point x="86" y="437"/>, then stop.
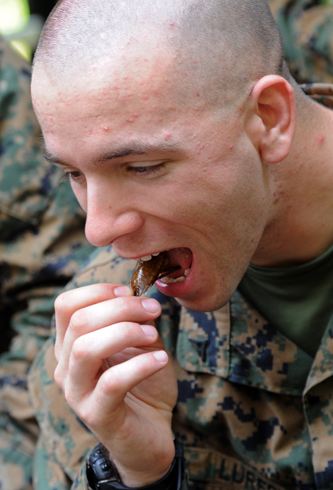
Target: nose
<point x="106" y="224"/>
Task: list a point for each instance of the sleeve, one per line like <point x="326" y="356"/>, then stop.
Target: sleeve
<point x="41" y="246"/>
<point x="64" y="441"/>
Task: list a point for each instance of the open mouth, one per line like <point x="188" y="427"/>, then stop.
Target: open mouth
<point x="171" y="266"/>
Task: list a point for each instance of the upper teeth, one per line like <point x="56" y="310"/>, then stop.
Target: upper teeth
<point x="145" y="258"/>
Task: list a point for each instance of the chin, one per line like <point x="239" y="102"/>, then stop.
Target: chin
<point x="203" y="304"/>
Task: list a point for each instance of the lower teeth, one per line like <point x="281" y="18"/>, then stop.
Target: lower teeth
<point x="171" y="280"/>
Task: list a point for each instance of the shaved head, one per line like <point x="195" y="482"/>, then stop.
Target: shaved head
<point x="215" y="47"/>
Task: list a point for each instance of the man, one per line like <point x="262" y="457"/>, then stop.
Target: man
<point x="188" y="139"/>
<point x="41" y="246"/>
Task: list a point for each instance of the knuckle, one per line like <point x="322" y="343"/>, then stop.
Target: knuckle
<point x="61" y="302"/>
<point x="69" y="395"/>
<point x="77" y="322"/>
<point x="80" y="350"/>
<point x="58" y="376"/>
<point x="110" y="384"/>
<point x="131" y="330"/>
<point x="86" y="416"/>
<point x="123" y="305"/>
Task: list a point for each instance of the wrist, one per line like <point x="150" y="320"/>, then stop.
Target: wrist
<point x="102" y="473"/>
<point x="147" y="473"/>
<point x="142" y="479"/>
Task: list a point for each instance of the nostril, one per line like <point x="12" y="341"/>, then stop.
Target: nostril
<point x="102" y="229"/>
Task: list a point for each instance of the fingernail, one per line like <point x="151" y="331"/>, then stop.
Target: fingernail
<point x="150" y="305"/>
<point x="122" y="291"/>
<point x="149" y="331"/>
<point x="161" y="356"/>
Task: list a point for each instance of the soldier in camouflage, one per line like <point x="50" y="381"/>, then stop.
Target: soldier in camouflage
<point x="254" y="406"/>
<point x="42" y="245"/>
<point x="254" y="438"/>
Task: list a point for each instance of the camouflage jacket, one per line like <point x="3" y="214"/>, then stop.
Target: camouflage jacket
<point x="254" y="411"/>
<point x="41" y="246"/>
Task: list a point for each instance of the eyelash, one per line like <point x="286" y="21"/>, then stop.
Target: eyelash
<point x="146" y="170"/>
<point x="73" y="175"/>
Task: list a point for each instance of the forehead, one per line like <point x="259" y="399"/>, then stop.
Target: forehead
<point x="135" y="82"/>
<point x="108" y="106"/>
<point x="98" y="120"/>
<point x="122" y="101"/>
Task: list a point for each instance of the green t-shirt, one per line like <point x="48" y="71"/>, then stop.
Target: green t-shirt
<point x="297" y="300"/>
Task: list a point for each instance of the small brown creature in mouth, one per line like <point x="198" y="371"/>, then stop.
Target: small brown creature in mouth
<point x="147" y="272"/>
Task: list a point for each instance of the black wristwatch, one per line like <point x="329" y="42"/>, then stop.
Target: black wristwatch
<point x="103" y="475"/>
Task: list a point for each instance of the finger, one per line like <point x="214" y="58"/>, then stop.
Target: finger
<point x="118" y="380"/>
<point x="94" y="317"/>
<point x="70" y="301"/>
<point x="90" y="351"/>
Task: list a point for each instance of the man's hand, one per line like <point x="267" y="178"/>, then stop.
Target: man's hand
<point x="116" y="376"/>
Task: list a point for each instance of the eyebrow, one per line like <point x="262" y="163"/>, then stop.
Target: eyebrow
<point x="128" y="150"/>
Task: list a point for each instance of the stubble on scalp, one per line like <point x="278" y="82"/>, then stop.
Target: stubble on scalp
<point x="214" y="49"/>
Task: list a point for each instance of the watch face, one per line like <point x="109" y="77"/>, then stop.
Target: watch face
<point x="100" y="471"/>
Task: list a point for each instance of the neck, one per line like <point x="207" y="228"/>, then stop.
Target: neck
<point x="301" y="224"/>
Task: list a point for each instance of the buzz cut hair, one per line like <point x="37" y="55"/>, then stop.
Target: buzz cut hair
<point x="220" y="45"/>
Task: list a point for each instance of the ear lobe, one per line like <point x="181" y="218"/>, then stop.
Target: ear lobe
<point x="274" y="104"/>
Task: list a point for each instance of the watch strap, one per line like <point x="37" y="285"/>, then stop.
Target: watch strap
<point x="103" y="475"/>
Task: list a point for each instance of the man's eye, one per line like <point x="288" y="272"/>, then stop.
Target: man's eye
<point x="74" y="175"/>
<point x="145" y="169"/>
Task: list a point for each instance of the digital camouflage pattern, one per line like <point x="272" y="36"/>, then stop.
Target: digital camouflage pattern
<point x="254" y="411"/>
<point x="41" y="246"/>
<point x="306" y="29"/>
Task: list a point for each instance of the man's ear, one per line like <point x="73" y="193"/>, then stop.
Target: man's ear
<point x="273" y="107"/>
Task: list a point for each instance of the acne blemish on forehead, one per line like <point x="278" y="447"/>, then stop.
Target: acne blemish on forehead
<point x="167" y="136"/>
<point x="320" y="139"/>
<point x="106" y="129"/>
<point x="132" y="118"/>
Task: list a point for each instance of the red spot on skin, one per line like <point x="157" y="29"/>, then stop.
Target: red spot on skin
<point x="320" y="139"/>
<point x="173" y="25"/>
<point x="133" y="118"/>
<point x="167" y="136"/>
<point x="201" y="147"/>
<point x="106" y="129"/>
<point x="231" y="147"/>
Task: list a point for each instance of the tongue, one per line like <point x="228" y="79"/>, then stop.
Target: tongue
<point x="172" y="263"/>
